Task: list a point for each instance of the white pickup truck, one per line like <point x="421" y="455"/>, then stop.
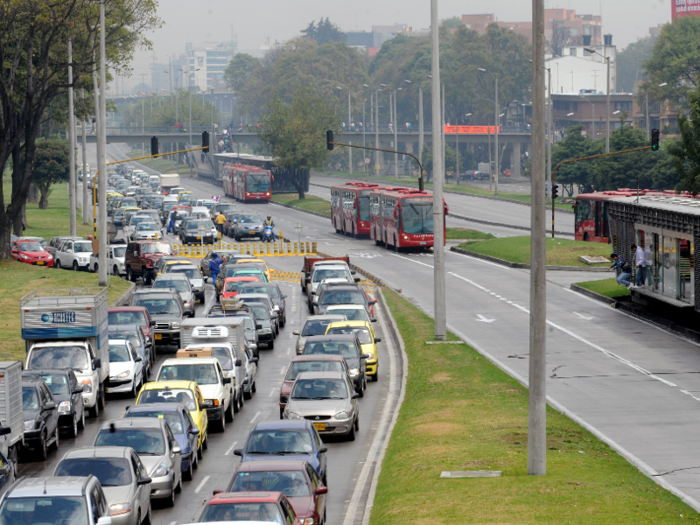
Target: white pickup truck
<point x="115" y="260"/>
<point x="73" y="254"/>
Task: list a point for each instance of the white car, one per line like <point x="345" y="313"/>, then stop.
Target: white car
<point x="73" y="254"/>
<point x="231" y="364"/>
<point x="125" y="369"/>
<point x="134" y="221"/>
<point x="330" y="271"/>
<point x="147" y="231"/>
<point x="115" y="260"/>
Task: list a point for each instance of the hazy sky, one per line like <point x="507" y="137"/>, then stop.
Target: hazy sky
<point x="256" y="22"/>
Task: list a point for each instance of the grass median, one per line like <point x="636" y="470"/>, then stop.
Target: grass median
<point x="309" y="203"/>
<point x="606" y="287"/>
<point x="463" y="413"/>
<point x="560" y="252"/>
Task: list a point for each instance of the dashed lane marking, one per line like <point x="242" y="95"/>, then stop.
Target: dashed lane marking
<point x="230" y="449"/>
<point x="201" y="485"/>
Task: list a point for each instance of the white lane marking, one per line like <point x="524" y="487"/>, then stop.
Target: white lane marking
<point x="272" y="392"/>
<point x="255" y="417"/>
<point x="289" y="351"/>
<point x="586" y="317"/>
<point x="283" y="369"/>
<point x="483" y="319"/>
<point x="230" y="449"/>
<point x="173" y="523"/>
<point x="201" y="485"/>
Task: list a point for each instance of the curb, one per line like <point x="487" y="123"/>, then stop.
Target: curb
<point x="125" y="296"/>
<point x="612" y="301"/>
<point x="523" y="266"/>
<point x="301" y="210"/>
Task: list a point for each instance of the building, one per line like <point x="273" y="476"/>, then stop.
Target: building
<point x="590" y="109"/>
<point x="206" y="65"/>
<point x="578" y="69"/>
<point x="371" y="42"/>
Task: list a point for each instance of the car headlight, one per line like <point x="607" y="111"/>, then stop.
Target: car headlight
<point x="293" y="415"/>
<point x="307" y="521"/>
<point x="117" y="509"/>
<point x="160" y="471"/>
<point x="371" y="355"/>
<point x="175" y="324"/>
<point x="341" y="415"/>
<point x="49" y="256"/>
<point x="124" y="374"/>
<point x="208" y="403"/>
<point x="354" y="372"/>
<point x="64" y="407"/>
<point x="29" y="425"/>
<point x="265" y="331"/>
<point x="22" y="256"/>
<point x="87" y="386"/>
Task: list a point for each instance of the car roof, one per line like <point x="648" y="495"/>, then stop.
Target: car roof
<point x="127" y="309"/>
<point x="332" y="307"/>
<point x="245" y="497"/>
<point x="317" y="357"/>
<point x="242" y="279"/>
<point x="143" y="422"/>
<point x="38" y="371"/>
<point x="327" y="317"/>
<point x="179" y="384"/>
<point x="272" y="464"/>
<point x="157" y="294"/>
<point x="349" y="286"/>
<point x="46" y="486"/>
<point x="283" y="424"/>
<point x="253" y="295"/>
<point x="330" y="338"/>
<point x="185" y="266"/>
<point x="171" y="277"/>
<point x="329" y="374"/>
<point x="190" y="361"/>
<point x="99" y="452"/>
<point x="124" y="327"/>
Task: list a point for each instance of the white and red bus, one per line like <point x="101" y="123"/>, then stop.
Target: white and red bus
<point x="227" y="178"/>
<point x="350" y="207"/>
<point x="249" y="183"/>
<point x="403" y="218"/>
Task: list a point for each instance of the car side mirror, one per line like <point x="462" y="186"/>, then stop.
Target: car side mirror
<point x="177" y="450"/>
<point x="357" y="279"/>
<point x="372" y="302"/>
<point x="322" y="450"/>
<point x="238" y="452"/>
<point x="78" y="389"/>
<point x="377" y="339"/>
<point x="152" y="323"/>
<point x="313" y="293"/>
<point x="239" y="362"/>
<point x="254" y="359"/>
<point x="145" y="480"/>
<point x="355" y="395"/>
<point x="374" y="320"/>
<point x="295" y="332"/>
<point x="321" y="490"/>
<point x="253" y="346"/>
<point x="307" y="279"/>
<point x="283" y="296"/>
<point x="138" y="359"/>
<point x="365" y="356"/>
<point x="194" y="431"/>
<point x="276" y="308"/>
<point x="217" y="492"/>
<point x="227" y="380"/>
<point x="353" y="272"/>
<point x="50" y="405"/>
<point x="96" y="363"/>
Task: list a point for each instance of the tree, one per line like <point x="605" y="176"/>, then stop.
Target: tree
<point x="166" y="110"/>
<point x="575" y="145"/>
<point x="454" y="22"/>
<point x="52" y="158"/>
<point x="629" y="63"/>
<point x="686" y="151"/>
<point x="324" y="32"/>
<point x="238" y="70"/>
<point x="294" y="133"/>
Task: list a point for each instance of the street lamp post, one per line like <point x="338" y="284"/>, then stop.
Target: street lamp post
<point x="550" y="134"/>
<point x="457" y="143"/>
<point x="497" y="122"/>
<point x="607" y="96"/>
<point x="593" y="116"/>
<point x="102" y="138"/>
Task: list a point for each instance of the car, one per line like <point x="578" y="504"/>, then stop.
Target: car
<point x="181" y="213"/>
<point x="256" y="263"/>
<point x="264" y="299"/>
<point x="40" y="418"/>
<point x="73" y="254"/>
<point x="122" y="475"/>
<point x="125" y="368"/>
<point x="347" y="294"/>
<point x="368" y="342"/>
<point x="291" y="439"/>
<point x="347" y="345"/>
<point x="146" y="231"/>
<point x="264" y="324"/>
<point x="195" y="231"/>
<point x="144" y="349"/>
<point x="328" y="399"/>
<point x="274" y="293"/>
<point x="164" y="262"/>
<point x="181" y="424"/>
<point x="354" y="312"/>
<point x="232" y="285"/>
<point x="314" y="325"/>
<point x="224" y="207"/>
<point x="309" y="363"/>
<point x="115" y="260"/>
<point x="231" y="219"/>
<point x="330" y="271"/>
<point x="67" y="394"/>
<point x="248" y="225"/>
<point x="141" y="257"/>
<point x="194" y="276"/>
<point x="295" y="478"/>
<point x="233" y="270"/>
<point x="186" y="393"/>
<point x="165" y="210"/>
<point x="204" y="262"/>
<point x="184" y="193"/>
<point x="249" y="508"/>
<point x="138" y="315"/>
<point x="234" y="363"/>
<point x="44" y="243"/>
<point x="36" y="500"/>
<point x="56" y="242"/>
<point x="319" y="290"/>
<point x="31" y="252"/>
<point x="157" y="447"/>
<point x="207" y="373"/>
<point x="166" y="309"/>
<point x="134" y="221"/>
<point x="207" y="203"/>
<point x="181" y="284"/>
<point x="200" y="212"/>
<point x="130" y="209"/>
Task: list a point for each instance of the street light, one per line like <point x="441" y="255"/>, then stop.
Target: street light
<point x="497" y="121"/>
<point x="607" y="95"/>
<point x="569" y="114"/>
<point x="616" y="112"/>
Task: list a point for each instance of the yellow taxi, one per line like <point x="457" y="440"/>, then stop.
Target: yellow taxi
<point x="368" y="341"/>
<point x="183" y="193"/>
<point x="112" y="194"/>
<point x="161" y="268"/>
<point x="185" y="392"/>
<point x="259" y="263"/>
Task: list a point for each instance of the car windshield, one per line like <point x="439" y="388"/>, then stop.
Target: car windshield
<point x="204" y="374"/>
<point x="82" y="247"/>
<point x="233" y="286"/>
<point x="146" y="441"/>
<point x="157" y="247"/>
<point x="112" y="472"/>
<point x="346" y="348"/>
<point x="319" y="389"/>
<point x="180" y="285"/>
<point x="331" y="296"/>
<point x="286" y="481"/>
<point x="30" y="247"/>
<point x="159" y="306"/>
<point x="247" y="219"/>
<point x="138" y="219"/>
<point x="168" y="395"/>
<point x="298" y="367"/>
<point x="248" y="272"/>
<point x="129" y="336"/>
<point x="353" y="314"/>
<point x="223" y="355"/>
<point x="137" y="318"/>
<point x="30" y="399"/>
<point x="57" y="383"/>
<point x="119" y="251"/>
<point x="147" y="227"/>
<point x="194" y="225"/>
<point x="417" y="215"/>
<point x="225" y="207"/>
<point x="172" y="418"/>
<point x="257" y="182"/>
<point x="280" y="442"/>
<point x="260" y="312"/>
<point x="248" y="512"/>
<point x="253" y="265"/>
<point x="45" y="509"/>
<point x="58" y="357"/>
<point x="315" y="327"/>
<point x="271" y="290"/>
<point x="191" y="273"/>
<point x="119" y="354"/>
<point x="329" y="273"/>
<point x="362" y="333"/>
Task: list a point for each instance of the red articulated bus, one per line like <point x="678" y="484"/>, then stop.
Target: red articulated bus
<point x="402" y="218"/>
<point x="350" y="207"/>
<point x="227" y="178"/>
<point x="249" y="183"/>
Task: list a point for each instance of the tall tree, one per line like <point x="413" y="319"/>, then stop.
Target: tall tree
<point x="575" y="145"/>
<point x="326" y="31"/>
<point x="686" y="151"/>
<point x="52" y="157"/>
<point x="629" y="63"/>
<point x="238" y="70"/>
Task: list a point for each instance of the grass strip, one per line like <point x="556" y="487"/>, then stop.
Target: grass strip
<point x="463" y="413"/>
<point x="606" y="287"/>
<point x="309" y="203"/>
<point x="465" y="233"/>
<point x="560" y="252"/>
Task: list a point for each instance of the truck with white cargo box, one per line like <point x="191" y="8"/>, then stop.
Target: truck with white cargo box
<point x="68" y="328"/>
<point x="11" y="414"/>
<point x="169" y="181"/>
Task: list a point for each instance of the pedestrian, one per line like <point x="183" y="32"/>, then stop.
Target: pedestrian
<point x="220" y="220"/>
<point x="619" y="263"/>
<point x="640" y="262"/>
<point x="649" y="273"/>
<point x="215" y="267"/>
<point x="171" y="222"/>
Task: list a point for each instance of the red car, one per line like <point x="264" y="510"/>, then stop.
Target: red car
<point x="294" y="478"/>
<point x="31" y="252"/>
<point x="233" y="284"/>
<point x="309" y="363"/>
<point x="138" y="315"/>
<point x="250" y="506"/>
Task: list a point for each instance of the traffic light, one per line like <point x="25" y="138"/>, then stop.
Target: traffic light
<point x="654" y="139"/>
<point x="154" y="145"/>
<point x="205" y="141"/>
<point x="329" y="140"/>
<point x="555" y="191"/>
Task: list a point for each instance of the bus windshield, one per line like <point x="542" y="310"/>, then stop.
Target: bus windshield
<point x="417" y="215"/>
<point x="257" y="182"/>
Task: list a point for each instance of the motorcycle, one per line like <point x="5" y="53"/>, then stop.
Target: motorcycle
<point x="268" y="235"/>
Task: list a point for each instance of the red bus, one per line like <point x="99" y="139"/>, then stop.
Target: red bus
<point x="402" y="218"/>
<point x="227" y="178"/>
<point x="251" y="184"/>
<point x="350" y="207"/>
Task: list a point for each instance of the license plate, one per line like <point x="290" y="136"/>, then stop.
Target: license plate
<point x="423" y="242"/>
<point x="251" y="233"/>
<point x="40" y="263"/>
<point x="257" y="197"/>
<point x="159" y="336"/>
<point x="320" y="426"/>
<point x="199" y="238"/>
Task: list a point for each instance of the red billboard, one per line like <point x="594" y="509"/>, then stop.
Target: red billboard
<point x="473" y="130"/>
<point x="681" y="8"/>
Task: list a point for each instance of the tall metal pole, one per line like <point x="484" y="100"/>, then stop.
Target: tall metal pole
<point x="646" y="111"/>
<point x="498" y="125"/>
<point x="442" y="131"/>
<point x="537" y="396"/>
<point x="364" y="131"/>
<point x="85" y="178"/>
<point x="457" y="149"/>
<point x="189" y="160"/>
<point x="396" y="146"/>
<point x="438" y="176"/>
<point x="376" y="131"/>
<point x="177" y="128"/>
<point x="607" y="109"/>
<point x="550" y="136"/>
<point x="102" y="152"/>
<point x="73" y="198"/>
<point x="421" y="126"/>
<point x="349" y="122"/>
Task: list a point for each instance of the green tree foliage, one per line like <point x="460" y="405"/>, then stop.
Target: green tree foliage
<point x="686" y="151"/>
<point x="575" y="145"/>
<point x="51" y="167"/>
<point x="326" y="31"/>
<point x="629" y="63"/>
<point x="454" y="22"/>
<point x="162" y="111"/>
<point x="294" y="132"/>
<point x="238" y="71"/>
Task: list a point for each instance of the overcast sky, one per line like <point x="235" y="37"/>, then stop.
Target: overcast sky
<point x="256" y="22"/>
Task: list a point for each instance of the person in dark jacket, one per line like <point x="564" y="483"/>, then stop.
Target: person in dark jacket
<point x="619" y="263"/>
<point x="215" y="267"/>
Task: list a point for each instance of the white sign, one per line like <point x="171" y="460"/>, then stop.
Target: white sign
<point x="367" y="160"/>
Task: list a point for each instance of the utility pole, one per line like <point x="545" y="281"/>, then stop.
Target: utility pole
<point x="364" y="125"/>
<point x="102" y="138"/>
<point x="498" y="125"/>
<point x="421" y="126"/>
<point x="376" y="131"/>
<point x="73" y="198"/>
<point x="396" y="144"/>
<point x="537" y="395"/>
<point x="85" y="178"/>
<point x="646" y="112"/>
<point x="349" y="121"/>
<point x="550" y="135"/>
<point x="442" y="131"/>
<point x="189" y="159"/>
<point x="607" y="109"/>
<point x="438" y="176"/>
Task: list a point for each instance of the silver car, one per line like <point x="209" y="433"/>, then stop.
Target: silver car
<point x="157" y="448"/>
<point x="315" y="325"/>
<point x="328" y="399"/>
<point x="181" y="284"/>
<point x="193" y="274"/>
<point x="147" y="231"/>
<point x="123" y="477"/>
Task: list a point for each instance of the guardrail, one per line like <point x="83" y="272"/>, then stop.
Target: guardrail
<point x="254" y="249"/>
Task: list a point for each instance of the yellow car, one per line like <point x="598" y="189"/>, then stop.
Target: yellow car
<point x="112" y="194"/>
<point x="186" y="392"/>
<point x="258" y="263"/>
<point x="186" y="192"/>
<point x="160" y="268"/>
<point x="368" y="341"/>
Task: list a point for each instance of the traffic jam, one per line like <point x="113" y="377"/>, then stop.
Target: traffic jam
<point x="145" y="393"/>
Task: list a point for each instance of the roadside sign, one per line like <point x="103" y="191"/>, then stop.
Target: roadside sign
<point x="367" y="160"/>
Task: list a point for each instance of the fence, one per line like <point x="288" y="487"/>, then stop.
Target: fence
<point x="254" y="249"/>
